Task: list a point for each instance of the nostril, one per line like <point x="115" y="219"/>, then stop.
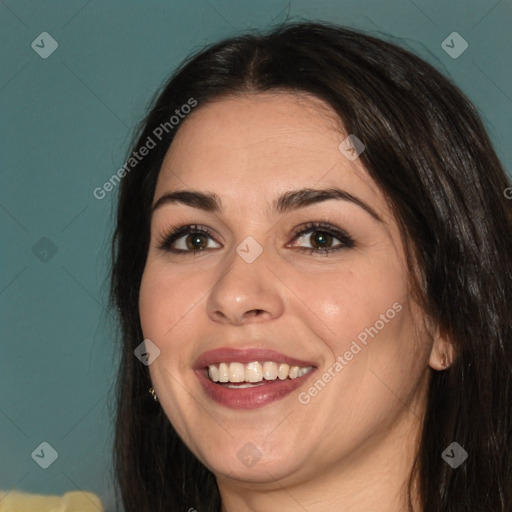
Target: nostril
<point x="255" y="313"/>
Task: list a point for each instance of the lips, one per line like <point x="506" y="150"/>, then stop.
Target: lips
<point x="261" y="394"/>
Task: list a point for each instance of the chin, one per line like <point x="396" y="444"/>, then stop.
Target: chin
<point x="248" y="464"/>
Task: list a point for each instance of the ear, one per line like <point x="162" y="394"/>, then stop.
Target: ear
<point x="443" y="352"/>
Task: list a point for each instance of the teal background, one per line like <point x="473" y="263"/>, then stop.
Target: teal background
<point x="66" y="122"/>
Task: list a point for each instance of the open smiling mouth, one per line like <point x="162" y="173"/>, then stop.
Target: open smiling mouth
<point x="251" y="385"/>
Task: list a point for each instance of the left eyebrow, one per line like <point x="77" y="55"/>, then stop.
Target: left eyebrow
<point x="296" y="199"/>
<point x="289" y="201"/>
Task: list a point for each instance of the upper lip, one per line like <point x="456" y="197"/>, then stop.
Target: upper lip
<point x="246" y="355"/>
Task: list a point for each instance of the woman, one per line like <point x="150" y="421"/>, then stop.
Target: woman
<point x="312" y="264"/>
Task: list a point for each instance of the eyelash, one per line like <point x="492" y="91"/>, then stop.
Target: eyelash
<point x="173" y="234"/>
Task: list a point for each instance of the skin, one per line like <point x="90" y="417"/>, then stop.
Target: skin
<point x="351" y="446"/>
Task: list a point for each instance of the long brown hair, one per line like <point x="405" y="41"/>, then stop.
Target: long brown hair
<point x="427" y="150"/>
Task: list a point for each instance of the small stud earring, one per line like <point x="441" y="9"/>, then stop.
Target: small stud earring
<point x="152" y="392"/>
<point x="443" y="361"/>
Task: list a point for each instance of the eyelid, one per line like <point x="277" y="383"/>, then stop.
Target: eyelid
<point x="321" y="226"/>
<point x="347" y="242"/>
<point x="174" y="233"/>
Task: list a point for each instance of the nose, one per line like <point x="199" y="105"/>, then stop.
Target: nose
<point x="246" y="292"/>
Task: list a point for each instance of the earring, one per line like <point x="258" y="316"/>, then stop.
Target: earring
<point x="152" y="392"/>
<point x="443" y="361"/>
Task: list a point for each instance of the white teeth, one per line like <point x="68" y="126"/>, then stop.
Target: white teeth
<point x="302" y="371"/>
<point x="223" y="372"/>
<point x="294" y="372"/>
<point x="243" y="386"/>
<point x="254" y="372"/>
<point x="213" y="373"/>
<point x="236" y="372"/>
<point x="283" y="371"/>
<point x="269" y="370"/>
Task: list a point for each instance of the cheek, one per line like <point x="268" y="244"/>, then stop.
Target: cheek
<point x="153" y="299"/>
<point x="345" y="304"/>
<point x="164" y="299"/>
<point x="166" y="311"/>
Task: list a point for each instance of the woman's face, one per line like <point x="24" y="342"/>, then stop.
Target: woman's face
<point x="257" y="287"/>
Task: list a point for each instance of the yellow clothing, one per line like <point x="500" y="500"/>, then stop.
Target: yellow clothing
<point x="75" y="501"/>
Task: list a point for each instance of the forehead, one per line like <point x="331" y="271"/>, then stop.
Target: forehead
<point x="259" y="145"/>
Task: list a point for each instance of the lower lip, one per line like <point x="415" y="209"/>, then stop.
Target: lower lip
<point x="250" y="398"/>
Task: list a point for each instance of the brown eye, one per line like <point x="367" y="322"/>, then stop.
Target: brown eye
<point x="320" y="236"/>
<point x="193" y="239"/>
<point x="196" y="241"/>
<point x="186" y="239"/>
<point x="321" y="239"/>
